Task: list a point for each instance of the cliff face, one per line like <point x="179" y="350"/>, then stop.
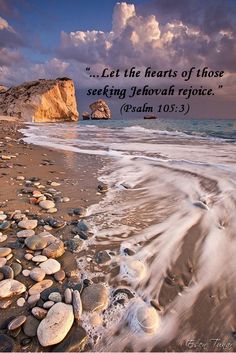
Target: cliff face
<point x="41" y="101"/>
<point x="100" y="110"/>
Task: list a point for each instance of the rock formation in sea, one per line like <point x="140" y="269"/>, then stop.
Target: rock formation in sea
<point x="41" y="101"/>
<point x="150" y="117"/>
<point x="100" y="110"/>
<point x="86" y="116"/>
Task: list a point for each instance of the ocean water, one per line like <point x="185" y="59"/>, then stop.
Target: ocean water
<point x="172" y="201"/>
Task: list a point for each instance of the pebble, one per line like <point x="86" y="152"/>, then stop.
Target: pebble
<point x="5" y="303"/>
<point x="6" y="343"/>
<point x="17" y="268"/>
<point x="77" y="304"/>
<point x="54" y="250"/>
<point x="8" y="257"/>
<point x="5" y="158"/>
<point x="25" y="233"/>
<point x="58" y="322"/>
<point x="33" y="299"/>
<point x="47" y="227"/>
<point x="20" y="177"/>
<point x="55" y="297"/>
<point x="102" y="257"/>
<point x="75" y="341"/>
<point x="17" y="322"/>
<point x="39" y="313"/>
<point x="3" y="237"/>
<point x="37" y="193"/>
<point x="20" y="302"/>
<point x="28" y="256"/>
<point x="52" y="210"/>
<point x="37" y="274"/>
<point x="7" y="272"/>
<point x="68" y="296"/>
<point x="5" y="225"/>
<point x="65" y="199"/>
<point x="95" y="297"/>
<point x="3" y="217"/>
<point x="4" y="252"/>
<point x="26" y="273"/>
<point x="30" y="326"/>
<point x="47" y="204"/>
<point x="39" y="258"/>
<point x="28" y="224"/>
<point x="3" y="261"/>
<point x="51" y="266"/>
<point x="54" y="183"/>
<point x="10" y="287"/>
<point x="60" y="276"/>
<point x="40" y="287"/>
<point x="148" y="318"/>
<point x="48" y="304"/>
<point x="35" y="242"/>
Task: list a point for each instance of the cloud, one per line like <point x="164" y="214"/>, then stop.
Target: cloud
<point x="145" y="40"/>
<point x="8" y="36"/>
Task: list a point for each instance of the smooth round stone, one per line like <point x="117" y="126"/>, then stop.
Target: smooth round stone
<point x="60" y="276"/>
<point x="20" y="302"/>
<point x="17" y="322"/>
<point x="5" y="225"/>
<point x="26" y="273"/>
<point x="7" y="272"/>
<point x="55" y="249"/>
<point x="40" y="287"/>
<point x="33" y="299"/>
<point x="51" y="266"/>
<point x="37" y="193"/>
<point x="95" y="297"/>
<point x="30" y="326"/>
<point x="74" y="342"/>
<point x="47" y="228"/>
<point x="3" y="237"/>
<point x="134" y="269"/>
<point x="6" y="343"/>
<point x="36" y="242"/>
<point x="55" y="297"/>
<point x="10" y="287"/>
<point x="148" y="318"/>
<point x="39" y="313"/>
<point x="65" y="199"/>
<point x="39" y="258"/>
<point x="5" y="303"/>
<point x="68" y="296"/>
<point x="58" y="322"/>
<point x="28" y="257"/>
<point x="52" y="210"/>
<point x="4" y="252"/>
<point x="26" y="233"/>
<point x="28" y="224"/>
<point x="8" y="257"/>
<point x="47" y="204"/>
<point x="20" y="177"/>
<point x="54" y="183"/>
<point x="3" y="217"/>
<point x="3" y="261"/>
<point x="48" y="304"/>
<point x="37" y="274"/>
<point x="17" y="268"/>
<point x="77" y="304"/>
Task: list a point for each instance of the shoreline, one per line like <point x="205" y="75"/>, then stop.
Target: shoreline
<point x="76" y="186"/>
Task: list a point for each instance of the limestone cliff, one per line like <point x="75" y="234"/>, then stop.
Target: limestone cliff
<point x="41" y="101"/>
<point x="100" y="110"/>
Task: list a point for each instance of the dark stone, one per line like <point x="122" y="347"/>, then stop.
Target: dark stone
<point x="6" y="343"/>
<point x="86" y="282"/>
<point x="14" y="333"/>
<point x="79" y="287"/>
<point x="74" y="341"/>
<point x="17" y="268"/>
<point x="73" y="244"/>
<point x="123" y="291"/>
<point x="5" y="225"/>
<point x="25" y="342"/>
<point x="6" y="322"/>
<point x="19" y="244"/>
<point x="34" y="179"/>
<point x="102" y="187"/>
<point x="40" y="303"/>
<point x="44" y="295"/>
<point x="55" y="223"/>
<point x="102" y="257"/>
<point x="129" y="251"/>
<point x="7" y="272"/>
<point x="30" y="326"/>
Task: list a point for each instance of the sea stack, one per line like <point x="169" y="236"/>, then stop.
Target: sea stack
<point x="100" y="110"/>
<point x="150" y="117"/>
<point x="41" y="101"/>
<point x="85" y="116"/>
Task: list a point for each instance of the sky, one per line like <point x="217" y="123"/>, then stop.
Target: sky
<point x="49" y="39"/>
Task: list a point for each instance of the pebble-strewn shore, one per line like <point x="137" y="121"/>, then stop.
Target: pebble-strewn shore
<point x="42" y="295"/>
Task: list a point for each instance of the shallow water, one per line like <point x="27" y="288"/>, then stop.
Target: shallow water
<point x="172" y="199"/>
